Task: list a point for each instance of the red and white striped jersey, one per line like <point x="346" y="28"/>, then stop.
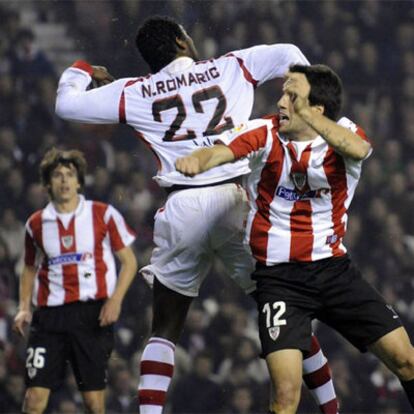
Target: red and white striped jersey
<point x="73" y="252"/>
<point x="299" y="193"/>
<point x="179" y="108"/>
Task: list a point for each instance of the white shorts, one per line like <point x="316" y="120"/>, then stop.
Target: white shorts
<point x="193" y="227"/>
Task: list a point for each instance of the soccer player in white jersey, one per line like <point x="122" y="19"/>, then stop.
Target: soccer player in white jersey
<point x="305" y="168"/>
<point x="175" y="110"/>
<point x="70" y="277"/>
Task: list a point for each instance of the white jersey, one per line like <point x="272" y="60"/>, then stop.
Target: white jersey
<point x="73" y="253"/>
<point x="299" y="193"/>
<point x="179" y="108"/>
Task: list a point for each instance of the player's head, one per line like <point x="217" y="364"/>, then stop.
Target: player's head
<point x="160" y="40"/>
<point x="325" y="95"/>
<point x="63" y="173"/>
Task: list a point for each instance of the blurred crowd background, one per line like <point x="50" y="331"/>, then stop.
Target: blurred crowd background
<point x="369" y="43"/>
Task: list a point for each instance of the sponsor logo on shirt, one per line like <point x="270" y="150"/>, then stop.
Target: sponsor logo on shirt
<point x="293" y="195"/>
<point x="70" y="258"/>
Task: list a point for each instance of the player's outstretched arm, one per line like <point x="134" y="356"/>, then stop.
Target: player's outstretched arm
<point x="96" y="106"/>
<point x="204" y="159"/>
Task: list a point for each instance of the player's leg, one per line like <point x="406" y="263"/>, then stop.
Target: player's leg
<point x="318" y="379"/>
<point x="178" y="265"/>
<point x="94" y="401"/>
<point x="35" y="400"/>
<point x="45" y="359"/>
<point x="285" y="369"/>
<point x="157" y="362"/>
<point x="397" y="353"/>
<point x="90" y="349"/>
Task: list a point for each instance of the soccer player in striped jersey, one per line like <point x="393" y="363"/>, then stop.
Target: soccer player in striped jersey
<point x="305" y="168"/>
<point x="174" y="110"/>
<point x="70" y="277"/>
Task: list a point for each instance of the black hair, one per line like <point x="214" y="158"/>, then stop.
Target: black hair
<point x="156" y="41"/>
<point x="326" y="88"/>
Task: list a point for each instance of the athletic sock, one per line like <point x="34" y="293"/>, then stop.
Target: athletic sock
<point x="409" y="390"/>
<point x="318" y="379"/>
<point x="157" y="366"/>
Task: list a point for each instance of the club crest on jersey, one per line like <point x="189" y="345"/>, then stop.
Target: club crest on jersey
<point x="67" y="241"/>
<point x="274" y="332"/>
<point x="31" y="372"/>
<point x="299" y="179"/>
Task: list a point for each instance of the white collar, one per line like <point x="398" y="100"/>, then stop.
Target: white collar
<point x="51" y="213"/>
<point x="178" y="65"/>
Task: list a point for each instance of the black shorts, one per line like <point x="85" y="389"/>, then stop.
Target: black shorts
<point x="68" y="333"/>
<point x="332" y="290"/>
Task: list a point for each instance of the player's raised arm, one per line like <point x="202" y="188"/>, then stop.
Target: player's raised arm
<point x="346" y="141"/>
<point x="204" y="159"/>
<point x="266" y="62"/>
<point x="100" y="105"/>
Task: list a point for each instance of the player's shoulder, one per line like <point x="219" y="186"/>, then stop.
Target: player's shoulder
<point x="34" y="222"/>
<point x="354" y="127"/>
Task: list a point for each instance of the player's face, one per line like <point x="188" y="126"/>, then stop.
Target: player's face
<point x="64" y="183"/>
<point x="289" y="122"/>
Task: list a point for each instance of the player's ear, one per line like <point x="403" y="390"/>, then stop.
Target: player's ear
<point x="320" y="109"/>
<point x="181" y="43"/>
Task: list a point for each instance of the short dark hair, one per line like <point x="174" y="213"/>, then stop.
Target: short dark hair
<point x="326" y="88"/>
<point x="155" y="41"/>
<point x="55" y="157"/>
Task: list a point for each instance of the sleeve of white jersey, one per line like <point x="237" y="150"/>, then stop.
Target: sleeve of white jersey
<point x="74" y="103"/>
<point x="120" y="234"/>
<point x="266" y="62"/>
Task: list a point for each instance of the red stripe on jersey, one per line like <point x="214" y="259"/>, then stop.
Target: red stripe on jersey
<point x="115" y="237"/>
<point x="157" y="368"/>
<point x="362" y="134"/>
<point x="35" y="223"/>
<point x="85" y="66"/>
<point x="99" y="229"/>
<point x="151" y="397"/>
<point x="149" y="146"/>
<point x="301" y="239"/>
<point x="317" y="378"/>
<point x="269" y="179"/>
<point x="335" y="171"/>
<point x="121" y="111"/>
<point x="67" y="240"/>
<point x="248" y="142"/>
<point x="29" y="250"/>
<point x="246" y="72"/>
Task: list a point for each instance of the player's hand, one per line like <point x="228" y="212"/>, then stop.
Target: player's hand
<point x="21" y="321"/>
<point x="298" y="88"/>
<point x="188" y="165"/>
<point x="101" y="75"/>
<point x="110" y="312"/>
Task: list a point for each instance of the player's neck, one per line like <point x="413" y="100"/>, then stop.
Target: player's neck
<point x="66" y="206"/>
<point x="307" y="135"/>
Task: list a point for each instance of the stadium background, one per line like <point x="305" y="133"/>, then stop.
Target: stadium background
<point x="370" y="44"/>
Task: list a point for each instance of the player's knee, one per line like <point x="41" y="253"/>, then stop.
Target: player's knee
<point x="35" y="401"/>
<point x="94" y="405"/>
<point x="286" y="398"/>
<point x="403" y="365"/>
